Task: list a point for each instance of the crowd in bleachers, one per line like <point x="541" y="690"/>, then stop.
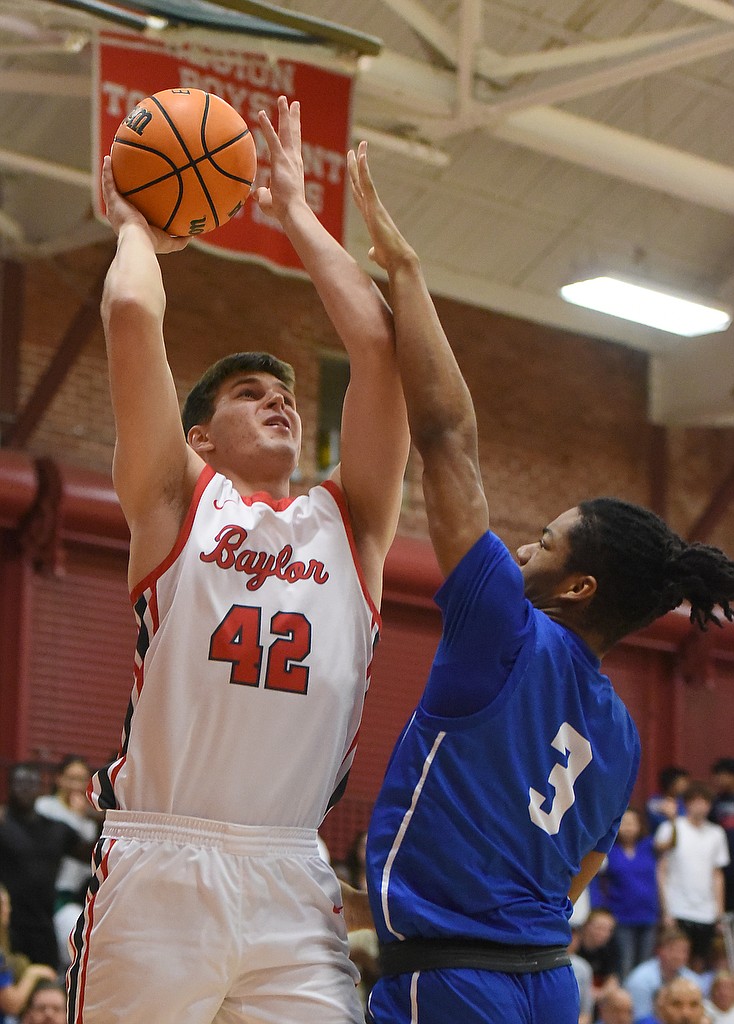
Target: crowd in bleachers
<point x="46" y="841"/>
<point x="653" y="942"/>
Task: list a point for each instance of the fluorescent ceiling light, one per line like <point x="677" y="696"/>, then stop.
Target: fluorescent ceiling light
<point x="646" y="305"/>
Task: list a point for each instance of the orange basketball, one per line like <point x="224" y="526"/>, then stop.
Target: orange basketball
<point x="186" y="159"/>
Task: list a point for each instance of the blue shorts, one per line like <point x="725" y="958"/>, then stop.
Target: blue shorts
<point x="476" y="997"/>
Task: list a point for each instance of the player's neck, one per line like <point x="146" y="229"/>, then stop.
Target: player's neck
<point x="262" y="477"/>
<point x="276" y="486"/>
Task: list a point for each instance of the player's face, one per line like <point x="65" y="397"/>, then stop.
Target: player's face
<point x="255" y="413"/>
<point x="543" y="562"/>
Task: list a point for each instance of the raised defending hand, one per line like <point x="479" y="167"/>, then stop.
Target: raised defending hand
<point x="388" y="245"/>
<point x="286" y="163"/>
<point x="120" y="213"/>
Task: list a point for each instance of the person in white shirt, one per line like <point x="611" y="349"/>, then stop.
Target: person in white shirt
<point x="720" y="1004"/>
<point x="69" y="804"/>
<point x="691" y="876"/>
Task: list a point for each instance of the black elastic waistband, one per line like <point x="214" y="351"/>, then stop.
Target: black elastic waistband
<point x="411" y="955"/>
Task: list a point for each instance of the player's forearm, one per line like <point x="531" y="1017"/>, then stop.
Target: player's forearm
<point x="352" y="300"/>
<point x="134" y="280"/>
<point x="436" y="394"/>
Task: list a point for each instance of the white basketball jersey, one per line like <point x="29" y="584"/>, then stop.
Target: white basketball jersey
<point x="253" y="657"/>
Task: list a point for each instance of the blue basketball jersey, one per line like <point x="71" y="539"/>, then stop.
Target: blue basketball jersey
<point x="483" y="818"/>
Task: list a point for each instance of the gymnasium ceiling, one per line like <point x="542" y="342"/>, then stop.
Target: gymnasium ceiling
<point x="520" y="144"/>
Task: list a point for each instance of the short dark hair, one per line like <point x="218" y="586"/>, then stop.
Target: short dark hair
<point x="724" y="764"/>
<point x="643" y="569"/>
<point x="199" y="405"/>
<point x="670" y="774"/>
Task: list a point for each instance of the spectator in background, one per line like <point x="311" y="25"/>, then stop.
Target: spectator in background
<point x="680" y="1002"/>
<point x="31" y="850"/>
<point x="18" y="976"/>
<point x="69" y="804"/>
<point x="46" y="1005"/>
<point x="616" y="1008"/>
<point x="584" y="979"/>
<point x="627" y="886"/>
<point x="654" y="1017"/>
<point x="718" y="961"/>
<point x="672" y="782"/>
<point x="363" y="944"/>
<point x="355" y="861"/>
<point x="690" y="874"/>
<point x="722" y="813"/>
<point x="669" y="962"/>
<point x="720" y="1003"/>
<point x="598" y="945"/>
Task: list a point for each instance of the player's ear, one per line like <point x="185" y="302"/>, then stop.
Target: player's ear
<point x="579" y="588"/>
<point x="198" y="439"/>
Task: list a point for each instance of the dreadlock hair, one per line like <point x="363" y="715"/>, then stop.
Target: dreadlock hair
<point x="199" y="406"/>
<point x="643" y="569"/>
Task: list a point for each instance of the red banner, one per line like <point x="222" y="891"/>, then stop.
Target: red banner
<point x="128" y="70"/>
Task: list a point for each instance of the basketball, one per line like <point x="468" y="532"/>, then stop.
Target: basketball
<point x="186" y="159"/>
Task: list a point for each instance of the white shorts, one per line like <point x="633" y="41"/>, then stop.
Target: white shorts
<point x="191" y="922"/>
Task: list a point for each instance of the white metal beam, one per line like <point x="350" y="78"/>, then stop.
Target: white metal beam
<point x="707" y="43"/>
<point x="427" y="27"/>
<point x="717" y="9"/>
<point x="585" y="53"/>
<point x="44" y="168"/>
<point x="555" y="133"/>
<point x="44" y="83"/>
<point x="621" y="154"/>
<point x="470" y="25"/>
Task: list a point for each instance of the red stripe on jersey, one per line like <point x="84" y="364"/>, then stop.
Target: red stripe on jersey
<point x="89" y="914"/>
<point x="183" y="535"/>
<point x="338" y="496"/>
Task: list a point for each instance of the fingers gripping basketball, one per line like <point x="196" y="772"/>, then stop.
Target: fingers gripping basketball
<point x="186" y="159"/>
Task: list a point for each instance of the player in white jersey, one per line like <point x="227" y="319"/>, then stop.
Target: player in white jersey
<point x="257" y="618"/>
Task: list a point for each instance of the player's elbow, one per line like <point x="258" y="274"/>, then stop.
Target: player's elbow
<point x="127" y="310"/>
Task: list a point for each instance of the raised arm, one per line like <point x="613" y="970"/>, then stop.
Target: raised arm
<point x="153" y="468"/>
<point x="374" y="436"/>
<point x="440" y="411"/>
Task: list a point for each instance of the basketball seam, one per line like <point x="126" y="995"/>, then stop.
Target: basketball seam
<point x="175" y="170"/>
<point x="192" y="162"/>
<point x="190" y="159"/>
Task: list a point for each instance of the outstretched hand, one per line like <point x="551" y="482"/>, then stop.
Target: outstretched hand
<point x="389" y="247"/>
<point x="286" y="162"/>
<point x="120" y="212"/>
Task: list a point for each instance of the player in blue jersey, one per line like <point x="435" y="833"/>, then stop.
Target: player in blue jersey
<point x="507" y="785"/>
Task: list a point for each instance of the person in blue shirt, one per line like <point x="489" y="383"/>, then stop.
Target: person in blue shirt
<point x="627" y="887"/>
<point x="505" y="789"/>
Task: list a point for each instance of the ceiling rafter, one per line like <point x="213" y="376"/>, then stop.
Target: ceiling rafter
<point x="707" y="43"/>
<point x="586" y="53"/>
<point x="712" y="8"/>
